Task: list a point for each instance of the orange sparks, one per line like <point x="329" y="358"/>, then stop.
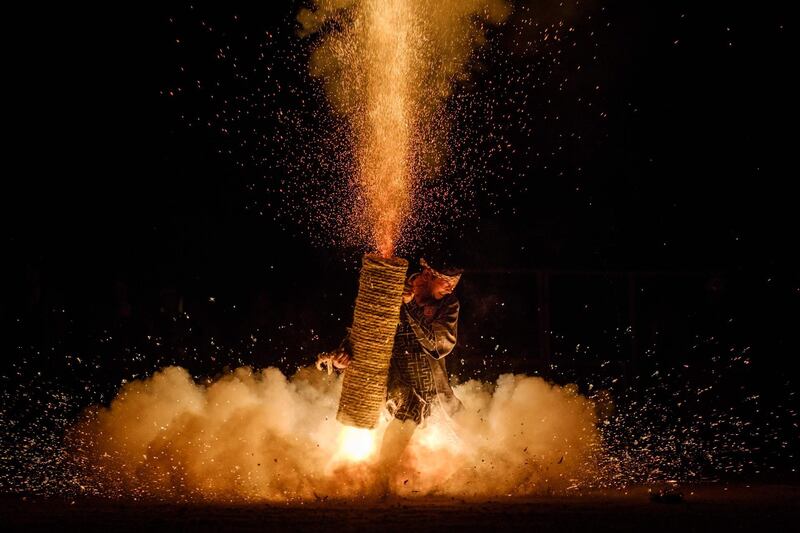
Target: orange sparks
<point x="388" y="66"/>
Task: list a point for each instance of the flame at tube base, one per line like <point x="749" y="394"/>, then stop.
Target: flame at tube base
<point x="356" y="444"/>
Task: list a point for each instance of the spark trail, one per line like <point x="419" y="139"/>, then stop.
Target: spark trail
<point x="388" y="66"/>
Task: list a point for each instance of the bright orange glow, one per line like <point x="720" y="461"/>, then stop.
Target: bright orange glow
<point x="388" y="66"/>
<point x="384" y="139"/>
<point x="263" y="436"/>
<point x="356" y="444"/>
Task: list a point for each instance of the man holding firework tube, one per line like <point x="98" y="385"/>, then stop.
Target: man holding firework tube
<point x="418" y="376"/>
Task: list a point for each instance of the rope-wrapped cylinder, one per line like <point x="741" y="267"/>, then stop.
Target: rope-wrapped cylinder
<point x="375" y="319"/>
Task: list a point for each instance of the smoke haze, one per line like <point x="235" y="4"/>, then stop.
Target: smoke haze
<point x="258" y="435"/>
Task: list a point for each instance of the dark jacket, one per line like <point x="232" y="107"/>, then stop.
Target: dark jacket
<point x="437" y="336"/>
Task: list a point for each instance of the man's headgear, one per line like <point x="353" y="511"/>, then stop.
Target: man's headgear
<point x="452" y="275"/>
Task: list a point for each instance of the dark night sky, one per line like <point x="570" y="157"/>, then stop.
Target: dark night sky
<point x="689" y="169"/>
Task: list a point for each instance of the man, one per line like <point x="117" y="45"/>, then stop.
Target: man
<point x="425" y="335"/>
<point x="417" y="374"/>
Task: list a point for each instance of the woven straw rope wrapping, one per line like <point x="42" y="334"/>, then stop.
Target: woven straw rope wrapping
<point x="377" y="313"/>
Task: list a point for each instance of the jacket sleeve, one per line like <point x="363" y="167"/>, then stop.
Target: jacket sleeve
<point x="438" y="338"/>
<point x="345" y="345"/>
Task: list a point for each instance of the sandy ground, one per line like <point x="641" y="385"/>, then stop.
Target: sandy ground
<point x="766" y="508"/>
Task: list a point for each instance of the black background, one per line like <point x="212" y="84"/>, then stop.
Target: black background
<point x="128" y="239"/>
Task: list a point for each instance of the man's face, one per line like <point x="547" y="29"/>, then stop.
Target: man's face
<point x="439" y="287"/>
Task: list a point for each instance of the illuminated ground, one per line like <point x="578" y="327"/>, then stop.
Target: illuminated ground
<point x="766" y="508"/>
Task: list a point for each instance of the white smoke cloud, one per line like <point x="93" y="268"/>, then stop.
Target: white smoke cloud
<point x="256" y="435"/>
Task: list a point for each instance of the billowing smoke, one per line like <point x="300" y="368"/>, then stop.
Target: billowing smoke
<point x="258" y="435"/>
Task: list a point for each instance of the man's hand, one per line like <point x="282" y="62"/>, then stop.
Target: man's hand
<point x="339" y="360"/>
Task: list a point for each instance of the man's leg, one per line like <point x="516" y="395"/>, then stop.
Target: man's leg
<point x="395" y="440"/>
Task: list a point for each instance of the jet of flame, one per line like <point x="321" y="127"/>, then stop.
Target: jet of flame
<point x="388" y="65"/>
<point x="383" y="153"/>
